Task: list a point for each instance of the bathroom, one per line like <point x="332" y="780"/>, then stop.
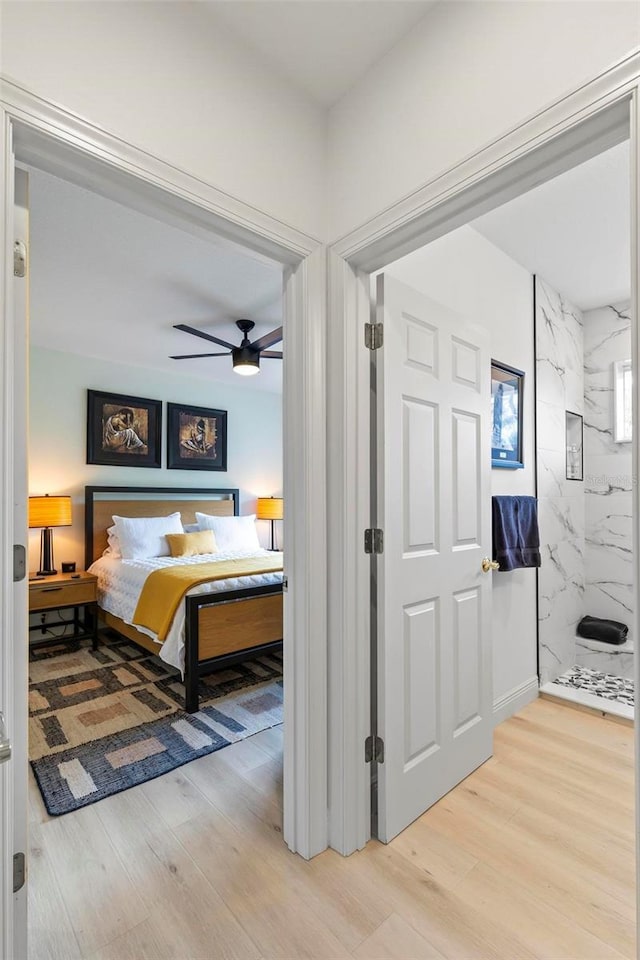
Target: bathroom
<point x="583" y="368"/>
<point x="573" y="234"/>
<point x="547" y="275"/>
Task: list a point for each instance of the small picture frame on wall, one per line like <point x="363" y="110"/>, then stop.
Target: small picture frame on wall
<point x="573" y="433"/>
<point x="123" y="431"/>
<point x="196" y="438"/>
<point x="507" y="386"/>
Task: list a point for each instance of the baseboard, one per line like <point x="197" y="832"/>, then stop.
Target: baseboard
<point x="514" y="700"/>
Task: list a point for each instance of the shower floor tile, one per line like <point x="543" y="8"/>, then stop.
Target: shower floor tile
<point x="604" y="685"/>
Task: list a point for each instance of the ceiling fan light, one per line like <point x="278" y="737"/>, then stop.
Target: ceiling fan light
<point x="246" y="361"/>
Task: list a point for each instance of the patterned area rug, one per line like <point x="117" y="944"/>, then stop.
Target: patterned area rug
<point x="105" y="720"/>
<point x="604" y="685"/>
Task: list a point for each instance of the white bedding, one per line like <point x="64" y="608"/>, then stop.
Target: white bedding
<point x="120" y="583"/>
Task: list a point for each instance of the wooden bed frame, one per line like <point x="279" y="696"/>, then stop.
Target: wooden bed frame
<point x="220" y="628"/>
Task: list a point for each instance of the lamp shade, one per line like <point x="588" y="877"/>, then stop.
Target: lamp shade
<point x="49" y="511"/>
<point x="269" y="508"/>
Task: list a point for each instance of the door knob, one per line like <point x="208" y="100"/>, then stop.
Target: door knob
<point x="489" y="565"/>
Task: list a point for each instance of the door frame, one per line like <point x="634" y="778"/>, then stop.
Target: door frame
<point x="588" y="120"/>
<point x="36" y="130"/>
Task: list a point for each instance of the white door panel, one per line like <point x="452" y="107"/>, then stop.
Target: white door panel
<point x="14" y="644"/>
<point x="434" y="505"/>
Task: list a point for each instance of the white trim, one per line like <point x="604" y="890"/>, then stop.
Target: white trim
<point x="517" y="698"/>
<point x="305" y="676"/>
<point x="11" y="936"/>
<point x="485" y="182"/>
<point x="49" y="133"/>
<point x="634" y="174"/>
<point x="444" y="202"/>
<point x="19" y="620"/>
<point x="570" y="130"/>
<point x="348" y="422"/>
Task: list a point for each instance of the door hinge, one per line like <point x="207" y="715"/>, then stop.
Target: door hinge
<point x="374" y="750"/>
<point x="373" y="335"/>
<point x="18" y="871"/>
<point x="373" y="540"/>
<point x="19" y="258"/>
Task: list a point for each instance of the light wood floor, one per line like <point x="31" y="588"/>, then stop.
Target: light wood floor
<point x="531" y="856"/>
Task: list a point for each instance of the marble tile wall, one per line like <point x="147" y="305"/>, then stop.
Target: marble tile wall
<point x="608" y="485"/>
<point x="561" y="502"/>
<point x="605" y="658"/>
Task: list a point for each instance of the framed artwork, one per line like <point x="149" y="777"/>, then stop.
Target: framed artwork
<point x="123" y="431"/>
<point x="573" y="434"/>
<point x="196" y="438"/>
<point x="507" y="385"/>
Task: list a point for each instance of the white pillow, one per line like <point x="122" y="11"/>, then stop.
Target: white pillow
<point x="142" y="537"/>
<point x="233" y="534"/>
<point x="113" y="547"/>
<point x="190" y="527"/>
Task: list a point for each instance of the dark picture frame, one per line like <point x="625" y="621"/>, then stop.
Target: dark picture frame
<point x="123" y="431"/>
<point x="196" y="438"/>
<point x="574" y="430"/>
<point x="507" y="389"/>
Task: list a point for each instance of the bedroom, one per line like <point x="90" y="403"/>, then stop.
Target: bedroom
<point x="107" y="286"/>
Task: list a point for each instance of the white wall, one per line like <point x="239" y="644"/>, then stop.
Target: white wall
<point x="57" y="437"/>
<point x="166" y="78"/>
<point x="170" y="79"/>
<point x="466" y="273"/>
<point x="466" y="74"/>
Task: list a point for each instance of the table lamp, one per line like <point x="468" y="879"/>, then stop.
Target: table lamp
<point x="48" y="512"/>
<point x="269" y="508"/>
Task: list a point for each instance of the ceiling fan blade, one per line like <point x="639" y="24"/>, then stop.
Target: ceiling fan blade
<point x="204" y="336"/>
<point x="271" y="354"/>
<point x="195" y="356"/>
<point x="268" y="340"/>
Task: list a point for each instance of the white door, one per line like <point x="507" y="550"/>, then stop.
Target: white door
<point x="13" y="643"/>
<point x="434" y="507"/>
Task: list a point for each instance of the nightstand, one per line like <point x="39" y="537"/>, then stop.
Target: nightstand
<point x="66" y="591"/>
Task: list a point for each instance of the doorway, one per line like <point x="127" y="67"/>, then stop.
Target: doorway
<point x="96" y="332"/>
<point x="174" y="196"/>
<point x="581" y="142"/>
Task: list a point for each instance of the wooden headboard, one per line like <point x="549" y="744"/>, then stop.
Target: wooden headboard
<point x="101" y="503"/>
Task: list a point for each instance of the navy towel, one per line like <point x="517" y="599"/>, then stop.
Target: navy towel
<point x="516" y="541"/>
<point x="606" y="631"/>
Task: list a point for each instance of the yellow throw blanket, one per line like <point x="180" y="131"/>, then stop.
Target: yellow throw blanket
<point x="164" y="589"/>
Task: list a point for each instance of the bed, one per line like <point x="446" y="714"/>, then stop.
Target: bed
<point x="216" y="623"/>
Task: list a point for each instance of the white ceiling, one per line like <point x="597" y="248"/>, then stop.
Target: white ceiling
<point x="109" y="282"/>
<point x="321" y="46"/>
<point x="573" y="231"/>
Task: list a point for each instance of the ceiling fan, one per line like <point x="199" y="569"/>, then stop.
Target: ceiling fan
<point x="246" y="357"/>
